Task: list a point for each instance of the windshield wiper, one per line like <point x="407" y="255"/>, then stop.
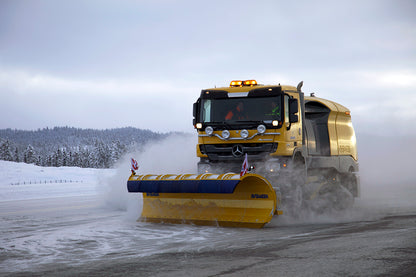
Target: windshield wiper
<point x="233" y="124"/>
<point x="250" y="121"/>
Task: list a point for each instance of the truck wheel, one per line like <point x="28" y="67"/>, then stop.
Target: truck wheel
<point x="349" y="180"/>
<point x="342" y="198"/>
<point x="333" y="177"/>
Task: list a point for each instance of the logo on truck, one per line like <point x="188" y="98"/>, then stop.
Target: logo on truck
<point x="237" y="150"/>
<point x="259" y="196"/>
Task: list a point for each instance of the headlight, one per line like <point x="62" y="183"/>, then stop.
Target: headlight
<point x="209" y="131"/>
<point x="275" y="123"/>
<point x="261" y="129"/>
<point x="226" y="134"/>
<point x="271" y="166"/>
<point x="244" y="134"/>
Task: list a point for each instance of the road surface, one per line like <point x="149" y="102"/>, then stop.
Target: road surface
<point x="80" y="236"/>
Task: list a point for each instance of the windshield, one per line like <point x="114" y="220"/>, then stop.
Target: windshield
<point x="265" y="109"/>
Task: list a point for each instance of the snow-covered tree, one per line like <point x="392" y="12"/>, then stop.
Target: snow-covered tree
<point x="5" y="152"/>
<point x="29" y="156"/>
<point x="65" y="146"/>
<point x="16" y="155"/>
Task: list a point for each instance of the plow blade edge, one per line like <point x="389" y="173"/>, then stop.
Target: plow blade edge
<point x="206" y="199"/>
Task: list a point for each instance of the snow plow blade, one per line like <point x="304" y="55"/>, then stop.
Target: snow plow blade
<point x="207" y="199"/>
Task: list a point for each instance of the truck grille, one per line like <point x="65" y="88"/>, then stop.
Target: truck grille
<point x="236" y="152"/>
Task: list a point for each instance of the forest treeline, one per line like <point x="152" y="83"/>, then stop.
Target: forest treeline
<point x="67" y="146"/>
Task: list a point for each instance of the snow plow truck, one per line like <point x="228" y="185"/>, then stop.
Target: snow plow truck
<point x="300" y="150"/>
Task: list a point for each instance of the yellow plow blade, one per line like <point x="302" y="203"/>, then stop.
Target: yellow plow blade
<point x="206" y="199"/>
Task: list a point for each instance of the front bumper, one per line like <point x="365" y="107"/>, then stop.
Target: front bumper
<point x="271" y="167"/>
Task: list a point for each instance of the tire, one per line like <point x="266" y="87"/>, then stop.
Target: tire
<point x="340" y="198"/>
<point x="349" y="181"/>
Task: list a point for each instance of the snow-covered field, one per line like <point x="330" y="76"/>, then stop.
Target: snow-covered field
<point x="20" y="181"/>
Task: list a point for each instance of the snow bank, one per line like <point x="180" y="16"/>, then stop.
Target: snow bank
<point x="20" y="181"/>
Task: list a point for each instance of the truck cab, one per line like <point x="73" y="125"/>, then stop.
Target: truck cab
<point x="263" y="122"/>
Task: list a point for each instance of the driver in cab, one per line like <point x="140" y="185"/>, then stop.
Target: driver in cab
<point x="237" y="113"/>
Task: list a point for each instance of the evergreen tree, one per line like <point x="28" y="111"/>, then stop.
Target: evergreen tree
<point x="5" y="153"/>
<point x="29" y="155"/>
<point x="75" y="159"/>
<point x="64" y="158"/>
<point x="48" y="161"/>
<point x="39" y="160"/>
<point x="86" y="159"/>
<point x="102" y="153"/>
<point x="58" y="158"/>
<point x="16" y="155"/>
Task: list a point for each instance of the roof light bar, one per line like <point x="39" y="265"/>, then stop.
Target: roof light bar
<point x="236" y="84"/>
<point x="250" y="82"/>
<point x="239" y="83"/>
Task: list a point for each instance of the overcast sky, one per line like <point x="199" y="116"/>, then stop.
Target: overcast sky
<point x="108" y="64"/>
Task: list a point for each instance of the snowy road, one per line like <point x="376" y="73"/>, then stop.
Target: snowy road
<point x="85" y="235"/>
<point x="77" y="236"/>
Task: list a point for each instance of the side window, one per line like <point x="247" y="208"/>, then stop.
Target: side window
<point x="207" y="111"/>
<point x="286" y="107"/>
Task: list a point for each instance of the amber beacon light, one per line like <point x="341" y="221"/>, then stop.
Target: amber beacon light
<point x="250" y="82"/>
<point x="238" y="83"/>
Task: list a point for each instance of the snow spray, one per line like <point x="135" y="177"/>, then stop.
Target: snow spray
<point x="174" y="154"/>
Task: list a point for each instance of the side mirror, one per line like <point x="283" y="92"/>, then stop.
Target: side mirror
<point x="293" y="109"/>
<point x="196" y="112"/>
<point x="195" y="109"/>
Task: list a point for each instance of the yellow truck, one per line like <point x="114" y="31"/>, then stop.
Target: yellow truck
<point x="289" y="138"/>
<point x="300" y="149"/>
